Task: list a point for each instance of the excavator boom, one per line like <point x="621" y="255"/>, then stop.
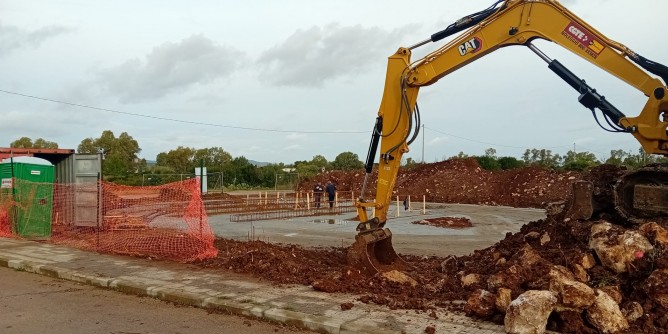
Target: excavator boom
<point x="506" y="23"/>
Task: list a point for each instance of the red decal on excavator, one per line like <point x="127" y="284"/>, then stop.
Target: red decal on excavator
<point x="584" y="39"/>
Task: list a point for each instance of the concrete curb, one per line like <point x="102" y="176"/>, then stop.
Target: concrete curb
<point x="207" y="299"/>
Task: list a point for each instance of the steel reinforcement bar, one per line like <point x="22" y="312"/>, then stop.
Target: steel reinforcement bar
<point x="283" y="214"/>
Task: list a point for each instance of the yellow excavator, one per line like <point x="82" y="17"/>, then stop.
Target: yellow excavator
<point x="642" y="193"/>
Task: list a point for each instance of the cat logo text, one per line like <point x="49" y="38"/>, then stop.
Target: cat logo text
<point x="471" y="46"/>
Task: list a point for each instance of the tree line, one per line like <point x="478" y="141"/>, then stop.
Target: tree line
<point x="121" y="162"/>
<point x="572" y="160"/>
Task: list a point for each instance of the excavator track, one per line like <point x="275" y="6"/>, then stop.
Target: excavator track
<point x="643" y="193"/>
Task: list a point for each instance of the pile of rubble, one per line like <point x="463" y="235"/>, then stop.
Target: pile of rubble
<point x="600" y="275"/>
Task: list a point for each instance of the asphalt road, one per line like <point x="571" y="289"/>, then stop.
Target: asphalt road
<point x="31" y="303"/>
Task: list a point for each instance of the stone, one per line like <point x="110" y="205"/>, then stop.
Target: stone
<point x="470" y="279"/>
<point x="449" y="264"/>
<point x="580" y="273"/>
<point x="481" y="303"/>
<point x="656" y="234"/>
<point x="616" y="249"/>
<point x="545" y="238"/>
<point x="503" y="299"/>
<point x="655" y="286"/>
<point x="613" y="291"/>
<point x="572" y="294"/>
<point x="528" y="256"/>
<point x="560" y="272"/>
<point x="633" y="311"/>
<point x="605" y="315"/>
<point x="509" y="278"/>
<point x="528" y="313"/>
<point x="398" y="277"/>
<point x="587" y="261"/>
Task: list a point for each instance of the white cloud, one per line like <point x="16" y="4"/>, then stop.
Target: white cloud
<point x="171" y="68"/>
<point x="13" y="38"/>
<point x="311" y="57"/>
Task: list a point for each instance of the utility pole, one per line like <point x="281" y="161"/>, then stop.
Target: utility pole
<point x="574" y="148"/>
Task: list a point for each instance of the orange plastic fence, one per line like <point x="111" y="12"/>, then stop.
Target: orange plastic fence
<point x="167" y="221"/>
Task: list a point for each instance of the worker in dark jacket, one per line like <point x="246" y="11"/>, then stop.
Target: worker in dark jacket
<point x="331" y="193"/>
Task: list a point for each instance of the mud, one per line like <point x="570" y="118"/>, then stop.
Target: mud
<point x="445" y="222"/>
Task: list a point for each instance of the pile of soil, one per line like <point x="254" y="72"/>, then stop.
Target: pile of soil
<point x="445" y="222"/>
<point x="444" y="282"/>
<point x="464" y="181"/>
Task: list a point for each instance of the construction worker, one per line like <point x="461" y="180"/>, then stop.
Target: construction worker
<point x="317" y="193"/>
<point x="331" y="193"/>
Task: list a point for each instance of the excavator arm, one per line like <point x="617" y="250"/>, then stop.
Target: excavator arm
<point x="506" y="23"/>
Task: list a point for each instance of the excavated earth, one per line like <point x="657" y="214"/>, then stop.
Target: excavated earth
<point x="521" y="261"/>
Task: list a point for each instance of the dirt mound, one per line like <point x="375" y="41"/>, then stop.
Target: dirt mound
<point x="583" y="263"/>
<point x="464" y="181"/>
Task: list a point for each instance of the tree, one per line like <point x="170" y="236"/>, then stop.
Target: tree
<point x="488" y="163"/>
<point x="320" y="161"/>
<point x="240" y="171"/>
<point x="25" y="142"/>
<point x="181" y="159"/>
<point x="616" y="157"/>
<point x="542" y="158"/>
<point x="580" y="160"/>
<point x="490" y="152"/>
<point x="347" y="161"/>
<point x="509" y="163"/>
<point x="120" y="155"/>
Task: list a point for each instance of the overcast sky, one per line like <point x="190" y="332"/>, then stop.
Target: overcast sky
<point x="281" y="81"/>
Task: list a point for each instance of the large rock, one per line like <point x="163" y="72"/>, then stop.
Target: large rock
<point x="480" y="303"/>
<point x="605" y="315"/>
<point x="511" y="278"/>
<point x="656" y="234"/>
<point x="529" y="312"/>
<point x="572" y="293"/>
<point x="656" y="288"/>
<point x="615" y="248"/>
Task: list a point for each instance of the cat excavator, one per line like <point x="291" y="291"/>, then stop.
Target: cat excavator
<point x="641" y="193"/>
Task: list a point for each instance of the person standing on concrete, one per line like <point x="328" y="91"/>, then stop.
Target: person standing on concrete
<point x="331" y="193"/>
<point x="317" y="193"/>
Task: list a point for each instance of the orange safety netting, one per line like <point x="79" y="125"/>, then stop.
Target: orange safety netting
<point x="167" y="221"/>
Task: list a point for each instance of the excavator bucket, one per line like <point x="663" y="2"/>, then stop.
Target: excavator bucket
<point x="372" y="252"/>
